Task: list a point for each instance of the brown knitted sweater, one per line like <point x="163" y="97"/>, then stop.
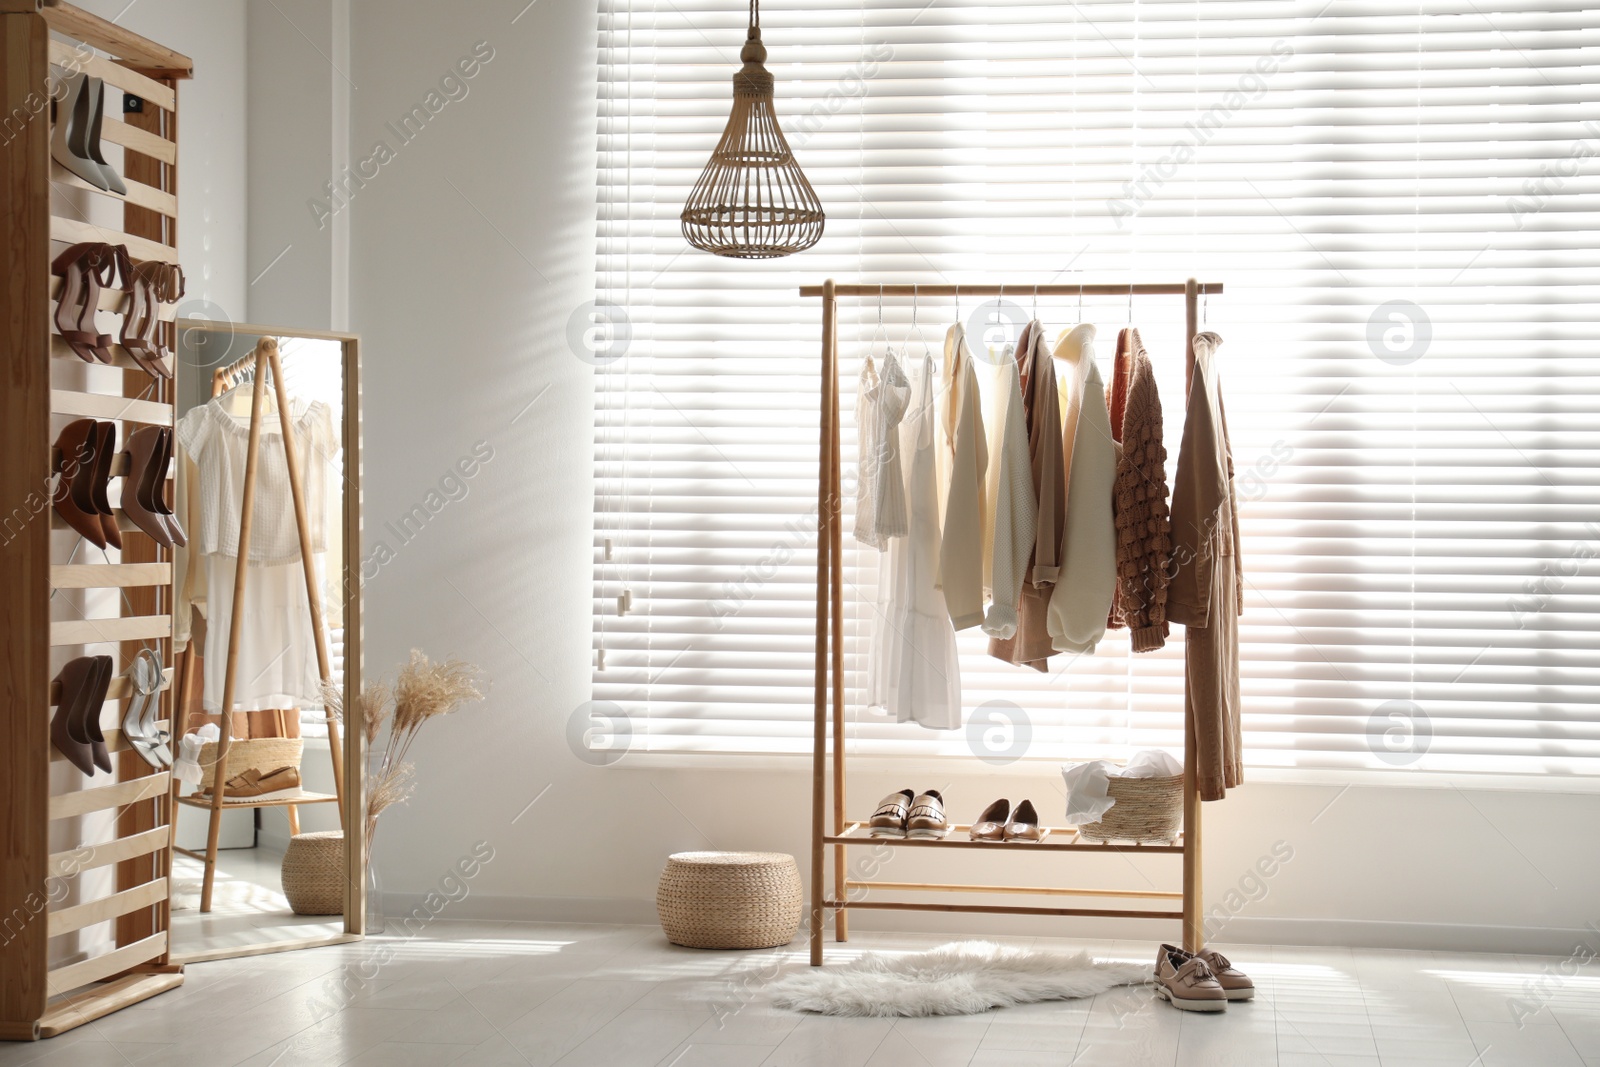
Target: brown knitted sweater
<point x="1143" y="521"/>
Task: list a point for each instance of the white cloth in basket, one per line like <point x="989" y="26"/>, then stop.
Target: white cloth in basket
<point x="1087" y="782"/>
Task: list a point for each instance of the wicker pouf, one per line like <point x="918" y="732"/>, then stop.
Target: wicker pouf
<point x="729" y="899"/>
<point x="1146" y="809"/>
<point x="313" y="873"/>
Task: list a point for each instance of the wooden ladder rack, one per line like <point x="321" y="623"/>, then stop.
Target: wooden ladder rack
<point x="45" y="987"/>
<point x="829" y="729"/>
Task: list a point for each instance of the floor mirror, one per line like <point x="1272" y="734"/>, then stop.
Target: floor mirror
<point x="268" y="851"/>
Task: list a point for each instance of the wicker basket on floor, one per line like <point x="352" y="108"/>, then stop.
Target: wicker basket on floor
<point x="1146" y="809"/>
<point x="314" y="873"/>
<point x="729" y="899"/>
<point x="265" y="754"/>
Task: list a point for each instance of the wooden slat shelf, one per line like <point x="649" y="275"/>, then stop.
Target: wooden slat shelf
<point x="88" y="857"/>
<point x="1020" y="890"/>
<point x="138" y="194"/>
<point x="141" y="141"/>
<point x="65" y="979"/>
<point x="45" y="207"/>
<point x="115" y="742"/>
<point x="1059" y="839"/>
<point x="997" y="909"/>
<point x="97" y="631"/>
<point x="67" y="920"/>
<point x="99" y="798"/>
<point x="129" y="81"/>
<point x="74" y="231"/>
<point x="109" y="575"/>
<point x="108" y="407"/>
<point x="198" y="800"/>
<point x="111" y="300"/>
<point x="136" y="51"/>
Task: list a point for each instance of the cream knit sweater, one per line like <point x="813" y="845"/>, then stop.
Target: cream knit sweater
<point x="1082" y="597"/>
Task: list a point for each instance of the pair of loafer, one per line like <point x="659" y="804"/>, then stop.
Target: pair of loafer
<point x="75" y="141"/>
<point x="86" y="449"/>
<point x="1199" y="981"/>
<point x="909" y="815"/>
<point x="250" y="782"/>
<point x="999" y="823"/>
<point x="75" y="729"/>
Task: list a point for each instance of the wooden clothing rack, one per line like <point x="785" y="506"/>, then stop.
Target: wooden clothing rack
<point x="48" y="986"/>
<point x="264" y="362"/>
<point x="829" y="734"/>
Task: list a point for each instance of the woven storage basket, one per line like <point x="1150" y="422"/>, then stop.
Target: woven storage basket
<point x="729" y="899"/>
<point x="263" y="753"/>
<point x="313" y="873"/>
<point x="1146" y="809"/>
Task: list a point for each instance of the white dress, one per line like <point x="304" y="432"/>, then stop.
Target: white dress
<point x="913" y="672"/>
<point x="277" y="666"/>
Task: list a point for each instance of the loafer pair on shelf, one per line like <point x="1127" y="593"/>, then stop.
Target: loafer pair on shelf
<point x="86" y="451"/>
<point x="252" y="783"/>
<point x="1199" y="981"/>
<point x="75" y="141"/>
<point x="999" y="823"/>
<point x="909" y="815"/>
<point x="89" y="268"/>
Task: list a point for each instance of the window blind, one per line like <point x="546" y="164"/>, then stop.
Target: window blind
<point x="1401" y="200"/>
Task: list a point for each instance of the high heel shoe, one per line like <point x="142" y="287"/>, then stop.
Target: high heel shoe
<point x="144" y="449"/>
<point x="97" y="111"/>
<point x="139" y="723"/>
<point x="91" y="712"/>
<point x="105" y="450"/>
<point x="66" y="730"/>
<point x="69" y="140"/>
<point x="158" y="491"/>
<point x="76" y="443"/>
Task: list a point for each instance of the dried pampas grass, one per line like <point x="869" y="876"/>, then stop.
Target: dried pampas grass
<point x="423" y="691"/>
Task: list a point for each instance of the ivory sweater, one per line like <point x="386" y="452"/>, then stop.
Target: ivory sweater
<point x="963" y="457"/>
<point x="1015" y="509"/>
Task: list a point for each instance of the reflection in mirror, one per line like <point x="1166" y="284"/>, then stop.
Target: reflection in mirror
<point x="265" y="611"/>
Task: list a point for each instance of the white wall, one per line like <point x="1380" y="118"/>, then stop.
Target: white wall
<point x="469" y="248"/>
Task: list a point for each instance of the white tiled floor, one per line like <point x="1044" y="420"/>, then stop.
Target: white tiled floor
<point x="248" y="905"/>
<point x="529" y="995"/>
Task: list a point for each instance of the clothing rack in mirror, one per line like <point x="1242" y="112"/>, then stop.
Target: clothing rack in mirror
<point x="828" y="739"/>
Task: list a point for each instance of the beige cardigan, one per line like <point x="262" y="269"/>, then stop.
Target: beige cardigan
<point x="963" y="459"/>
<point x="1082" y="598"/>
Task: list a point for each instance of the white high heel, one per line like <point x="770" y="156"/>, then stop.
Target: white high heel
<point x="97" y="112"/>
<point x="69" y="140"/>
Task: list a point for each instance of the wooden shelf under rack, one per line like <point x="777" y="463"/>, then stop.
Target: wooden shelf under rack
<point x="1057" y="839"/>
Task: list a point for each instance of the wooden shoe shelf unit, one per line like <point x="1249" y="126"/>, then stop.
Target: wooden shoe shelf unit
<point x="828" y="750"/>
<point x="48" y="984"/>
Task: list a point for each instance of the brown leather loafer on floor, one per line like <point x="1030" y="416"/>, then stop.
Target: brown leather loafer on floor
<point x="1185" y="981"/>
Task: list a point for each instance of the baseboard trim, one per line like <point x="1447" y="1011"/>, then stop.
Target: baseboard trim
<point x="1242" y="929"/>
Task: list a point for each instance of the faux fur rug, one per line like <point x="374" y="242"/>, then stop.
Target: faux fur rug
<point x="963" y="978"/>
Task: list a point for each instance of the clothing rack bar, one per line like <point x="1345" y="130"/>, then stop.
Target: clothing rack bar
<point x="830" y="728"/>
<point x="1000" y="288"/>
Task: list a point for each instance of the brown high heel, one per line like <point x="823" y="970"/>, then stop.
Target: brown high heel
<point x="158" y="490"/>
<point x="144" y="448"/>
<point x="140" y="321"/>
<point x="66" y="729"/>
<point x="76" y="443"/>
<point x="90" y="718"/>
<point x="105" y="450"/>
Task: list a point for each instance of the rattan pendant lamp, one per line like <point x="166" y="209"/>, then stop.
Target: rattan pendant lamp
<point x="752" y="201"/>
